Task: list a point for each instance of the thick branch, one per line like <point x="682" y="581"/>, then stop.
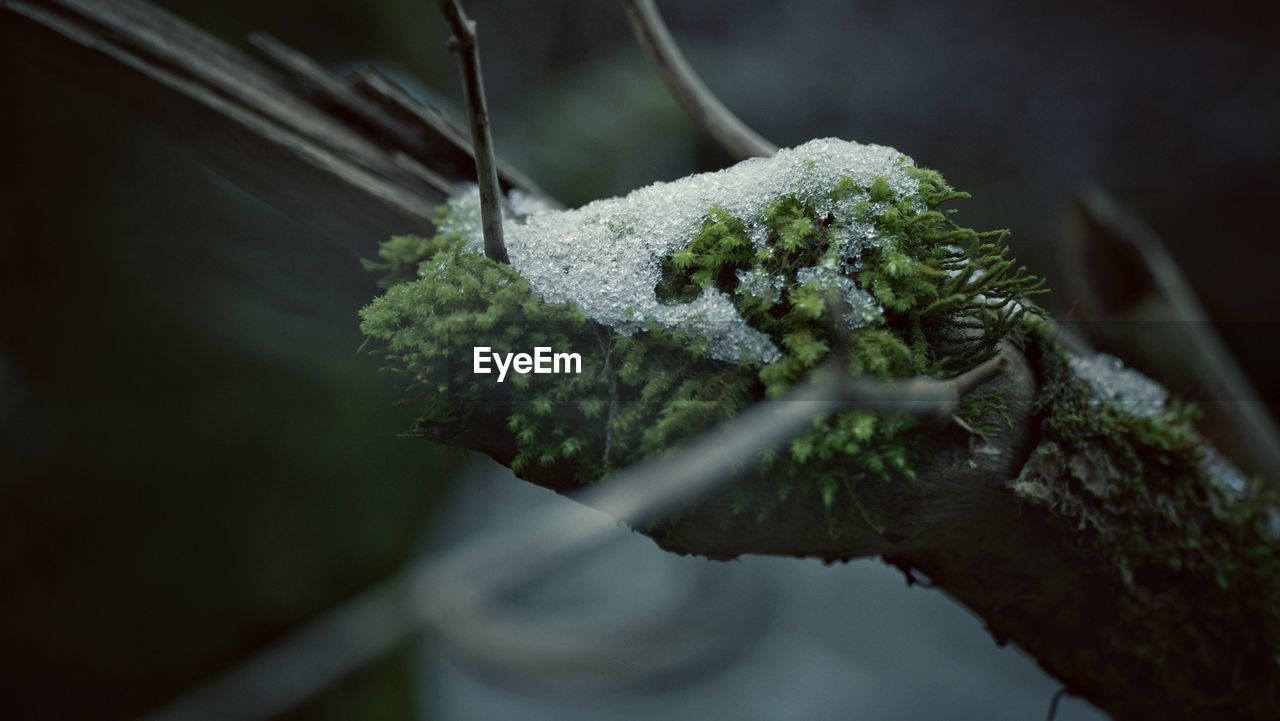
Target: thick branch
<point x="464" y="43"/>
<point x="689" y="90"/>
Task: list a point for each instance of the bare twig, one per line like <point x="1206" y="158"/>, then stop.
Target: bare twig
<point x="346" y="179"/>
<point x="464" y="43"/>
<point x="1052" y="715"/>
<point x="689" y="90"/>
<point x="452" y="594"/>
<point x="248" y="123"/>
<point x="345" y="639"/>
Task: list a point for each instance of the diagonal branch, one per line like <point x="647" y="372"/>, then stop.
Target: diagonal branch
<point x="454" y="593"/>
<point x="357" y="159"/>
<point x="464" y="43"/>
<point x="648" y="491"/>
<point x="689" y="90"/>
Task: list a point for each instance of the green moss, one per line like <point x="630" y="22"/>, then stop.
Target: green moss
<point x="942" y="288"/>
<point x="427" y="326"/>
<point x="985" y="413"/>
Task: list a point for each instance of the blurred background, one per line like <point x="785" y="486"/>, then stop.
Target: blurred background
<point x="195" y="459"/>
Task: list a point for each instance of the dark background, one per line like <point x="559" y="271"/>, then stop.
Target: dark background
<point x="194" y="458"/>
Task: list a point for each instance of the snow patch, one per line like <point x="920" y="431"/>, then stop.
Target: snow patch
<point x="606" y="256"/>
<point x="1125" y="389"/>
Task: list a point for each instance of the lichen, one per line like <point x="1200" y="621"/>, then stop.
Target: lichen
<point x="1139" y="486"/>
<point x="869" y="267"/>
<point x="1116" y="470"/>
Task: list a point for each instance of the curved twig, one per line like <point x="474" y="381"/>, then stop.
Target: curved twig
<point x="464" y="43"/>
<point x="1053" y="704"/>
<point x="688" y="89"/>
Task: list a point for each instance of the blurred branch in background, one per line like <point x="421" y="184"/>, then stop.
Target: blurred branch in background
<point x="693" y="95"/>
<point x="454" y="594"/>
<point x="354" y="152"/>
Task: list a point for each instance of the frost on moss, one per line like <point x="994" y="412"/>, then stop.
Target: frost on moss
<point x="692" y="299"/>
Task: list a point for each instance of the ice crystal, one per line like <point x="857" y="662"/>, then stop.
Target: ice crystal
<point x="765" y="287"/>
<point x="1224" y="473"/>
<point x="1124" y="389"/>
<point x="862" y="309"/>
<point x="606" y="256"/>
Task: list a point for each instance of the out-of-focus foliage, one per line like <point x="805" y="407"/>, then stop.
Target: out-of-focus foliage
<point x="194" y="458"/>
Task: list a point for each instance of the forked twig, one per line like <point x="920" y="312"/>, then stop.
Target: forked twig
<point x="452" y="593"/>
<point x="689" y="90"/>
<point x="464" y="43"/>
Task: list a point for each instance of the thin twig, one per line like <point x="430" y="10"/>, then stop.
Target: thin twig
<point x="1053" y="704"/>
<point x="606" y="349"/>
<point x="452" y="593"/>
<point x="689" y="90"/>
<point x="464" y="43"/>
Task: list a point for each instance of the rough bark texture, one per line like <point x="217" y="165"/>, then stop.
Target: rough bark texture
<point x="1155" y="641"/>
<point x="360" y="161"/>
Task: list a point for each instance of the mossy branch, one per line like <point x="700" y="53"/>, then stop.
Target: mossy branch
<point x="1164" y="645"/>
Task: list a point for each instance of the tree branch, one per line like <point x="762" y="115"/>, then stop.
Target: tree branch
<point x="689" y="90"/>
<point x="464" y="43"/>
<point x="1157" y="645"/>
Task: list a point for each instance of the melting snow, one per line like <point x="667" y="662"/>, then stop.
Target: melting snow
<point x="1131" y="392"/>
<point x="1124" y="388"/>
